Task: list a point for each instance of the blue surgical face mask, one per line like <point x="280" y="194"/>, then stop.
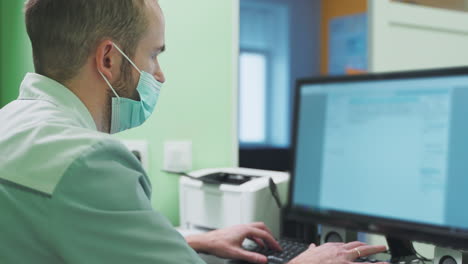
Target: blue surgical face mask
<point x="128" y="113"/>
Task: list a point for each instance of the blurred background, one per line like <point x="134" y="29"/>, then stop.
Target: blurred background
<point x="232" y="65"/>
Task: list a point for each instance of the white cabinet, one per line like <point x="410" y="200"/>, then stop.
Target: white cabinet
<point x="405" y="37"/>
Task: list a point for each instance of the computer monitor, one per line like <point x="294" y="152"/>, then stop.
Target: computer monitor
<point x="384" y="153"/>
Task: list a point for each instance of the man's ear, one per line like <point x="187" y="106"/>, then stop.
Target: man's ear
<point x="107" y="59"/>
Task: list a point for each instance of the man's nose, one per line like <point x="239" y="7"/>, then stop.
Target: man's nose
<point x="160" y="76"/>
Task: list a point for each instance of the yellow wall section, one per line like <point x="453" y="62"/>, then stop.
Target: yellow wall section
<point x="330" y="10"/>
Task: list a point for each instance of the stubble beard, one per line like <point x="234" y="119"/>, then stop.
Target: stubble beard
<point x="121" y="87"/>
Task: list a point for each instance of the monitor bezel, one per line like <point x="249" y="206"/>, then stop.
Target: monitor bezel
<point x="437" y="235"/>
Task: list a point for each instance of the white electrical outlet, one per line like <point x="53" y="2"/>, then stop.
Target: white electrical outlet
<point x="178" y="156"/>
<point x="140" y="149"/>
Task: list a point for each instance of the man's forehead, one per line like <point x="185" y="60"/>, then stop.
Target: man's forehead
<point x="154" y="6"/>
<point x="154" y="38"/>
<point x="154" y="12"/>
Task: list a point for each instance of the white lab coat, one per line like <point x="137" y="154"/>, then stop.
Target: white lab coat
<point x="70" y="194"/>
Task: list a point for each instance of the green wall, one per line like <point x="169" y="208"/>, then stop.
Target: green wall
<point x="197" y="102"/>
<point x="15" y="50"/>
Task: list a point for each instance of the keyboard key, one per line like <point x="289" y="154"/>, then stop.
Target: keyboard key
<point x="291" y="249"/>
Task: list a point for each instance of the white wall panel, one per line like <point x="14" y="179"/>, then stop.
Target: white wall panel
<point x="405" y="37"/>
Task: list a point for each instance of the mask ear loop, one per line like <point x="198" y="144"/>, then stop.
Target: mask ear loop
<point x="115" y="117"/>
<point x="123" y="54"/>
<point x="110" y="86"/>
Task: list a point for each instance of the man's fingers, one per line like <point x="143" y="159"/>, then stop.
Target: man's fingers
<point x="334" y="244"/>
<point x="370" y="250"/>
<point x="354" y="244"/>
<point x="265" y="236"/>
<point x="262" y="226"/>
<point x="258" y="241"/>
<point x="251" y="256"/>
<point x="363" y="251"/>
<point x="312" y="245"/>
<point x="371" y="263"/>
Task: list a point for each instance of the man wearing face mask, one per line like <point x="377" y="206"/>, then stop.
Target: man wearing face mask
<point x="71" y="193"/>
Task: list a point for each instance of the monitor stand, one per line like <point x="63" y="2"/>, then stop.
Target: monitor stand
<point x="401" y="250"/>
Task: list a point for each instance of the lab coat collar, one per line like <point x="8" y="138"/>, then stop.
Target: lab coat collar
<point x="39" y="87"/>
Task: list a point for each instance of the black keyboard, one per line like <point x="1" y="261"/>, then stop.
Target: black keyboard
<point x="291" y="249"/>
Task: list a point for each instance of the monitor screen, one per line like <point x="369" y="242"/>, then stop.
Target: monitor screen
<point x="392" y="147"/>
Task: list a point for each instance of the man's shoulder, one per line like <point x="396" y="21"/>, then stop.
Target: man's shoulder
<point x="38" y="156"/>
<point x="105" y="175"/>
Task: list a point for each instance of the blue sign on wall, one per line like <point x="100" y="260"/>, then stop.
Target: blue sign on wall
<point x="348" y="48"/>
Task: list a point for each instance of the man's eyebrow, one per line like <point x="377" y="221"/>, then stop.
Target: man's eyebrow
<point x="162" y="49"/>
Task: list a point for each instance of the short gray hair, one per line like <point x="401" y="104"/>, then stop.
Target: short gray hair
<point x="64" y="33"/>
